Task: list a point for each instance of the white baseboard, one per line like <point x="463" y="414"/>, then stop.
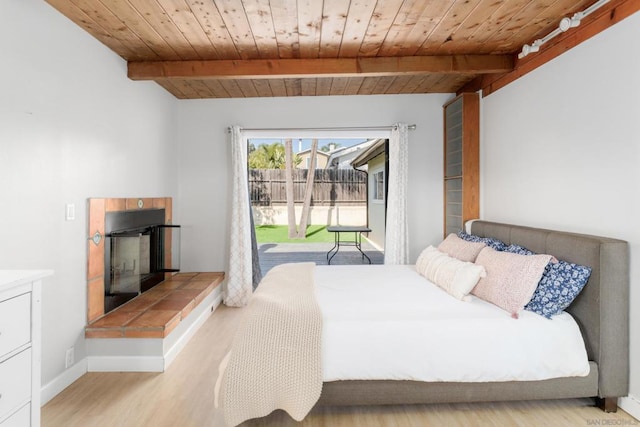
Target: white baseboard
<point x="176" y="348"/>
<point x="631" y="405"/>
<point x="62" y="381"/>
<point x="149" y="354"/>
<point x="129" y="363"/>
<point x="126" y="364"/>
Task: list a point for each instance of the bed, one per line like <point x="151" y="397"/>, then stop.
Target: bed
<point x="600" y="312"/>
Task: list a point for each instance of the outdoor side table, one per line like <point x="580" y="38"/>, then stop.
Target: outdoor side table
<point x="357" y="231"/>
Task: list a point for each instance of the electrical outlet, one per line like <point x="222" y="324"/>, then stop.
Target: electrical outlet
<point x="68" y="360"/>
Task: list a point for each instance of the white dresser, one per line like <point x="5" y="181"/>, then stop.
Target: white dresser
<point x="20" y="333"/>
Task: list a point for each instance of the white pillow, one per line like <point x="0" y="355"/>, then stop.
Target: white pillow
<point x="456" y="277"/>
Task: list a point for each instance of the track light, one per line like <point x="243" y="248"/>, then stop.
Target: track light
<point x="527" y="49"/>
<point x="565" y="24"/>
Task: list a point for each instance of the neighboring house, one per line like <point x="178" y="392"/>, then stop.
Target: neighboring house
<point x="341" y="158"/>
<point x="305" y="155"/>
<point x="373" y="160"/>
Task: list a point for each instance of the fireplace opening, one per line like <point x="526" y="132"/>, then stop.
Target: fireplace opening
<point x="140" y="248"/>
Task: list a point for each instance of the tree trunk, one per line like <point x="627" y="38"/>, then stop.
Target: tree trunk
<point x="308" y="191"/>
<point x="291" y="209"/>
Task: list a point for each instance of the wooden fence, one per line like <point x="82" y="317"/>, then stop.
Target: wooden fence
<point x="330" y="187"/>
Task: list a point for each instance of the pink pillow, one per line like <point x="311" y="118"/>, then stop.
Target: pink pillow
<point x="461" y="249"/>
<point x="511" y="278"/>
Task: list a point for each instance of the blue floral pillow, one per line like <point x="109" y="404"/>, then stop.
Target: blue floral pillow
<point x="517" y="249"/>
<point x="495" y="244"/>
<point x="560" y="284"/>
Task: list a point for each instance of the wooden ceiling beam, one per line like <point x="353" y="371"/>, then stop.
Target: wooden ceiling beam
<point x="322" y="67"/>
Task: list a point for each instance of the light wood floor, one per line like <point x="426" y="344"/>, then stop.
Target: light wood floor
<point x="183" y="396"/>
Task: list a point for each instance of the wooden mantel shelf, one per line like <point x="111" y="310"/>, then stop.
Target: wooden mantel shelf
<point x="157" y="312"/>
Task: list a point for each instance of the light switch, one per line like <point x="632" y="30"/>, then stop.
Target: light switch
<point x="71" y="212"/>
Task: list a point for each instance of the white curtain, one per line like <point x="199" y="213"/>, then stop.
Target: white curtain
<point x="396" y="243"/>
<point x="238" y="289"/>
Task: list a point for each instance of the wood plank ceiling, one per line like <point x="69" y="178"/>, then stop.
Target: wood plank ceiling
<point x="264" y="48"/>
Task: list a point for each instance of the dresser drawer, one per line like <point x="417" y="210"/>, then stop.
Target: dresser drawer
<point x="15" y="323"/>
<point x="15" y="382"/>
<point x="21" y="418"/>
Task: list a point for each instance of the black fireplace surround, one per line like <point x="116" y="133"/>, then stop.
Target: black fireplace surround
<point x="139" y="249"/>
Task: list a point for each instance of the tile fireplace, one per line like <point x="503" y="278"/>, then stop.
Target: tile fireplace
<point x="139" y="249"/>
<point x="132" y="246"/>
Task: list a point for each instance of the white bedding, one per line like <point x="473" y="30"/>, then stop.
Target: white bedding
<point x="388" y="322"/>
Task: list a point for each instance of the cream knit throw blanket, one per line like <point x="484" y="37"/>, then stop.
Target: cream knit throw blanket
<point x="275" y="357"/>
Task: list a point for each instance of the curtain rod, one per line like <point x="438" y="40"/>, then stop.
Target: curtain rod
<point x="392" y="127"/>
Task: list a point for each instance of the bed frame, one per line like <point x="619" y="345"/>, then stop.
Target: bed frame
<point x="601" y="310"/>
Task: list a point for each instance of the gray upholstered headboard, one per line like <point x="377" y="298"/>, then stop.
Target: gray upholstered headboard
<point x="602" y="308"/>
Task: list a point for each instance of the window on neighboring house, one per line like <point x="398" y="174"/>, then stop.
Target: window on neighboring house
<point x="378" y="185"/>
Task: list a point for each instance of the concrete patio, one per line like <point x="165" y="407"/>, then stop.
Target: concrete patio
<point x="272" y="254"/>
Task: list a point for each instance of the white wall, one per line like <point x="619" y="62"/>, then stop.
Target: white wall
<point x="561" y="149"/>
<point x="72" y="126"/>
<point x="205" y="158"/>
